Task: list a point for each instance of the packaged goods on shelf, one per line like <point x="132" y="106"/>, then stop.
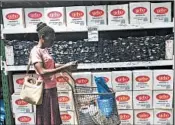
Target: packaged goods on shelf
<point x="139" y="12"/>
<point x="122" y="80"/>
<point x="65" y="100"/>
<point x="82" y="78"/>
<point x="68" y="117"/>
<point x="76" y="16"/>
<point x="18" y="80"/>
<point x="143" y="117"/>
<point x="96" y="15"/>
<point x="161" y="12"/>
<point x="163" y="117"/>
<point x="33" y="16"/>
<point x="126" y="117"/>
<point x="169" y="49"/>
<point x="118" y="14"/>
<point x="142" y="80"/>
<point x="25" y="118"/>
<point x="62" y="83"/>
<point x="13" y="18"/>
<point x="54" y="16"/>
<point x="162" y="99"/>
<point x="163" y="79"/>
<point x="148" y="48"/>
<point x="106" y="75"/>
<point x="124" y="100"/>
<point x="142" y="99"/>
<point x="19" y="105"/>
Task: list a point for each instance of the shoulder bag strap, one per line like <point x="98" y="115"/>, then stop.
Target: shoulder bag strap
<point x="30" y="62"/>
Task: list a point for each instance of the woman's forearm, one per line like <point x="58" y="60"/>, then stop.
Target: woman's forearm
<point x="50" y="72"/>
<point x="58" y="65"/>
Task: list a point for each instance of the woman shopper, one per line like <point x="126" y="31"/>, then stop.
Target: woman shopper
<point x="48" y="112"/>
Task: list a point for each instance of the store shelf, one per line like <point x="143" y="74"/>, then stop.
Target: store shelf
<point x="100" y="28"/>
<point x="106" y="65"/>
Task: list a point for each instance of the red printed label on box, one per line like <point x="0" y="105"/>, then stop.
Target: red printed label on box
<point x="124" y="116"/>
<point x="63" y="99"/>
<point x="12" y="16"/>
<point x="161" y="10"/>
<point x="140" y="10"/>
<point x="123" y="98"/>
<point x="118" y="12"/>
<point x="20" y="81"/>
<point x="21" y="102"/>
<point x="142" y="79"/>
<point x="163" y="115"/>
<point x="61" y="79"/>
<point x="143" y="115"/>
<point x="163" y="78"/>
<point x="163" y="96"/>
<point x="97" y="13"/>
<point x="76" y="14"/>
<point x="82" y="81"/>
<point x="122" y="79"/>
<point x="143" y="97"/>
<point x="54" y="15"/>
<point x="24" y="119"/>
<point x="65" y="117"/>
<point x="35" y="15"/>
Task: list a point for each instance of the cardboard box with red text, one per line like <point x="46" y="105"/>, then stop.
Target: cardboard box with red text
<point x="13" y="18"/>
<point x="163" y="79"/>
<point x="33" y="16"/>
<point x="124" y="100"/>
<point x="122" y="80"/>
<point x="68" y="117"/>
<point x="55" y="16"/>
<point x="163" y="99"/>
<point x="82" y="78"/>
<point x="126" y="117"/>
<point x="19" y="105"/>
<point x="163" y="117"/>
<point x="139" y="12"/>
<point x="142" y="80"/>
<point x="142" y="99"/>
<point x="118" y="14"/>
<point x="65" y="100"/>
<point x="76" y="16"/>
<point x="161" y="12"/>
<point x="143" y="117"/>
<point x="96" y="15"/>
<point x="25" y="119"/>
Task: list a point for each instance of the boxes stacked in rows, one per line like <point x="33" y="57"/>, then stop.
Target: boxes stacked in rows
<point x="148" y="48"/>
<point x="82" y="16"/>
<point x="22" y="111"/>
<point x="26" y="113"/>
<point x="144" y="96"/>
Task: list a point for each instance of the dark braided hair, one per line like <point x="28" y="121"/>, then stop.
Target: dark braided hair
<point x="43" y="29"/>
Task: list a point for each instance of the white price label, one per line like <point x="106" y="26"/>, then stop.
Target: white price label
<point x="92" y="34"/>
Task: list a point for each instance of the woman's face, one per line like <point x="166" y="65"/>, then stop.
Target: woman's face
<point x="49" y="40"/>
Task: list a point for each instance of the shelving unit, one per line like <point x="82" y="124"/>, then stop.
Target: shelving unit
<point x="100" y="28"/>
<point x="106" y="65"/>
<point x="81" y="66"/>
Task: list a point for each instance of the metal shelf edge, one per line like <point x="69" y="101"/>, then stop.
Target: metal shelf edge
<point x="100" y="28"/>
<point x="106" y="65"/>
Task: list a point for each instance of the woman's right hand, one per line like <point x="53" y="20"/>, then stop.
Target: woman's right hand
<point x="74" y="63"/>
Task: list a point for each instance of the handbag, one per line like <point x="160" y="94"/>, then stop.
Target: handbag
<point x="32" y="89"/>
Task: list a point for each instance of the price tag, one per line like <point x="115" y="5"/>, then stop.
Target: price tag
<point x="92" y="33"/>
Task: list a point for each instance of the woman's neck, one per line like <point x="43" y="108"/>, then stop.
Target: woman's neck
<point x="40" y="44"/>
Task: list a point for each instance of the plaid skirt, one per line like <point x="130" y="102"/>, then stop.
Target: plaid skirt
<point x="48" y="112"/>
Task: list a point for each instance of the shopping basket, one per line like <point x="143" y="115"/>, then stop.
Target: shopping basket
<point x="90" y="110"/>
